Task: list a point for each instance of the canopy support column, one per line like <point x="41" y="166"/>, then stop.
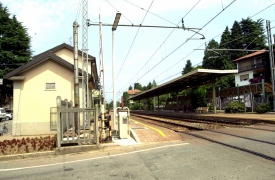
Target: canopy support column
<point x="177" y="101"/>
<point x="214" y="97"/>
<point x="158" y="102"/>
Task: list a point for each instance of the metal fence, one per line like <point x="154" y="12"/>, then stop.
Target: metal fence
<point x="71" y="125"/>
<point x="255" y="101"/>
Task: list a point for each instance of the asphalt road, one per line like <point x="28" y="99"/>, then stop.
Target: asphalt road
<point x="192" y="158"/>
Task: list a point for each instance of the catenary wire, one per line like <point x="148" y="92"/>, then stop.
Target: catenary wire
<point x="187" y="39"/>
<point x="161" y="44"/>
<point x="150" y="12"/>
<point x="208" y="41"/>
<point x="118" y="11"/>
<point x="133" y="40"/>
<point x="199" y="47"/>
<point x="261" y="10"/>
<point x="78" y="10"/>
<point x="205" y="42"/>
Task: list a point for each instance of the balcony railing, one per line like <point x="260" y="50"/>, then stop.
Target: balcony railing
<point x="252" y="67"/>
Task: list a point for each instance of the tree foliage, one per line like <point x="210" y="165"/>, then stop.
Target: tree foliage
<point x="137" y="86"/>
<point x="188" y="67"/>
<point x="126" y="99"/>
<point x="14" y="49"/>
<point x="209" y="60"/>
<point x="253" y="32"/>
<point x="235" y="41"/>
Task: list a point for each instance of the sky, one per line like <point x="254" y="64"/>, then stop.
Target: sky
<point x="141" y="54"/>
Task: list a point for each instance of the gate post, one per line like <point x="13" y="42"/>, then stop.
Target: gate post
<point x="58" y="105"/>
<point x="96" y="138"/>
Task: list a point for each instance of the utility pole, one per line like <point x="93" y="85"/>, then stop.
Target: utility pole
<point x="85" y="53"/>
<point x="271" y="59"/>
<point x="76" y="73"/>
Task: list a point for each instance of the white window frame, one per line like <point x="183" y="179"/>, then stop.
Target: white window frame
<point x="55" y="86"/>
<point x="244" y="75"/>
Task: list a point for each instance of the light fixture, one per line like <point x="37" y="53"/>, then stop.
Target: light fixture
<point x="116" y="21"/>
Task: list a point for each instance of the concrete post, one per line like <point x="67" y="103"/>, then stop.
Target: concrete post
<point x="214" y="97"/>
<point x="58" y="114"/>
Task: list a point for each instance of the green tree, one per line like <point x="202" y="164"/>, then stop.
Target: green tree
<point x="208" y="61"/>
<point x="188" y="67"/>
<point x="224" y="60"/>
<point x="236" y="42"/>
<point x="130" y="88"/>
<point x="253" y="32"/>
<point x="149" y="86"/>
<point x="154" y="83"/>
<point x="14" y="49"/>
<point x="126" y="99"/>
<point x="137" y="86"/>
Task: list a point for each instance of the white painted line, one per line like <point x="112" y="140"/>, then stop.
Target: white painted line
<point x="82" y="160"/>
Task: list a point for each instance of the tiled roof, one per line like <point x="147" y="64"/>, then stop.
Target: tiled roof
<point x="133" y="92"/>
<point x="45" y="56"/>
<point x="251" y="55"/>
<point x="37" y="60"/>
<point x="64" y="45"/>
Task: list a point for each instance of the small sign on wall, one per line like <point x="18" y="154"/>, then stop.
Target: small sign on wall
<point x="1" y="81"/>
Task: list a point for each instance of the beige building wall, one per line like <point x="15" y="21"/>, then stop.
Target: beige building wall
<point x="69" y="56"/>
<point x="32" y="101"/>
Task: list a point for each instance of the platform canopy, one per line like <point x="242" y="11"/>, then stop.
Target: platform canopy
<point x="192" y="79"/>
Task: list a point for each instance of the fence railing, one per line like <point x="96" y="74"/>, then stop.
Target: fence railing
<point x="72" y="125"/>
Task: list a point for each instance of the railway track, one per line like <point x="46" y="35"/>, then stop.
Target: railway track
<point x="183" y="125"/>
<point x="245" y="143"/>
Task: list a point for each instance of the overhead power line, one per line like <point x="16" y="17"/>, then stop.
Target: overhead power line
<point x="149" y="12"/>
<point x="261" y="10"/>
<point x="139" y="26"/>
<point x="78" y="10"/>
<point x="214" y="49"/>
<point x="162" y="44"/>
<point x="118" y="11"/>
<point x="133" y="41"/>
<point x="188" y="38"/>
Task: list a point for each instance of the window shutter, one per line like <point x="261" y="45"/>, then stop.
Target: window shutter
<point x="50" y="86"/>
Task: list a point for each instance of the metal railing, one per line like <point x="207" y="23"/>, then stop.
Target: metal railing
<point x="71" y="125"/>
<point x="252" y="66"/>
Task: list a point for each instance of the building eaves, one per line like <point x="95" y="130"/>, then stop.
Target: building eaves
<point x="39" y="59"/>
<point x="260" y="52"/>
<point x="64" y="45"/>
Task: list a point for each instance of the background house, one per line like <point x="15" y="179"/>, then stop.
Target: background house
<point x="131" y="94"/>
<point x="37" y="84"/>
<point x="252" y="68"/>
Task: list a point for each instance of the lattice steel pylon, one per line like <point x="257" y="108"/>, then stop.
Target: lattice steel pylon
<point x="85" y="60"/>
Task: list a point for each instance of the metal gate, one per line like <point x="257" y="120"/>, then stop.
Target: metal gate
<point x="71" y="125"/>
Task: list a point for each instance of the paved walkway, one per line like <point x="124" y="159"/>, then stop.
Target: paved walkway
<point x="151" y="133"/>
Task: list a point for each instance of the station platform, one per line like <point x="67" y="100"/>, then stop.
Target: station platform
<point x="145" y="133"/>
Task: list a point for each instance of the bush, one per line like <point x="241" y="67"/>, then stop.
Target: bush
<point x="263" y="108"/>
<point x="234" y="107"/>
<point x="211" y="107"/>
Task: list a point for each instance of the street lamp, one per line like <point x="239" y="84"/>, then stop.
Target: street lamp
<point x="113" y="67"/>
